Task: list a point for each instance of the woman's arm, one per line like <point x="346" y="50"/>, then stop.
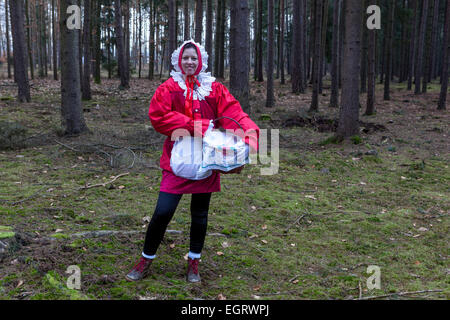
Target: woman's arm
<point x="165" y="120"/>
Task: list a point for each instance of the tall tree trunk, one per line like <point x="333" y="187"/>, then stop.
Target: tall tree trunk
<point x="86" y="82"/>
<point x="16" y="11"/>
<point x="372" y="40"/>
<point x="427" y="52"/>
<point x="434" y="40"/>
<point x="172" y="35"/>
<point x="186" y="19"/>
<point x="8" y="48"/>
<point x="222" y="43"/>
<point x="389" y="50"/>
<point x="349" y="112"/>
<point x="445" y="58"/>
<point x="209" y="32"/>
<point x="323" y="40"/>
<point x="198" y="20"/>
<point x="341" y="39"/>
<point x="98" y="52"/>
<point x="419" y="61"/>
<point x="281" y="54"/>
<point x="334" y="100"/>
<point x="364" y="52"/>
<point x="259" y="75"/>
<point x="140" y="38"/>
<point x="71" y="109"/>
<point x="151" y="49"/>
<point x="413" y="42"/>
<point x="316" y="61"/>
<point x="217" y="37"/>
<point x="239" y="48"/>
<point x="55" y="58"/>
<point x="270" y="99"/>
<point x="29" y="45"/>
<point x="121" y="54"/>
<point x="297" y="55"/>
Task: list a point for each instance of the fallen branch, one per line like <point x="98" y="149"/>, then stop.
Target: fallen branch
<point x="105" y="183"/>
<point x="397" y="294"/>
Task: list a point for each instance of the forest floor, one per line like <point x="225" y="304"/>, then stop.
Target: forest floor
<point x="308" y="232"/>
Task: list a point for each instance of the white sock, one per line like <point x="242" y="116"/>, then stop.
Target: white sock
<point x="194" y="255"/>
<point x="148" y="257"/>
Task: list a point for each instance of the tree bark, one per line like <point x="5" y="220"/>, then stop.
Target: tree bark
<point x="186" y="19"/>
<point x="55" y="59"/>
<point x="19" y="49"/>
<point x="86" y="82"/>
<point x="239" y="48"/>
<point x="218" y="40"/>
<point x="8" y="48"/>
<point x="445" y="59"/>
<point x="172" y="22"/>
<point x="297" y="55"/>
<point x="121" y="54"/>
<point x="323" y="40"/>
<point x="151" y="48"/>
<point x="198" y="20"/>
<point x="413" y="42"/>
<point x="420" y="47"/>
<point x="434" y="37"/>
<point x="259" y="74"/>
<point x="29" y="45"/>
<point x="371" y="53"/>
<point x="334" y="100"/>
<point x="427" y="51"/>
<point x="281" y="54"/>
<point x="389" y="50"/>
<point x="270" y="99"/>
<point x="209" y="32"/>
<point x="71" y="109"/>
<point x="349" y="112"/>
<point x="98" y="52"/>
<point x="364" y="52"/>
<point x="316" y="60"/>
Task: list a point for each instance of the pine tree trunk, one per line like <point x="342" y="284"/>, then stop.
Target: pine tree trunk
<point x="71" y="109"/>
<point x="334" y="100"/>
<point x="389" y="50"/>
<point x="151" y="48"/>
<point x="198" y="20"/>
<point x="270" y="99"/>
<point x="16" y="12"/>
<point x="98" y="52"/>
<point x="316" y="61"/>
<point x="297" y="48"/>
<point x="323" y="40"/>
<point x="419" y="61"/>
<point x="86" y="82"/>
<point x="434" y="37"/>
<point x="413" y="42"/>
<point x="140" y="38"/>
<point x="222" y="43"/>
<point x="8" y="48"/>
<point x="349" y="112"/>
<point x="427" y="52"/>
<point x="217" y="38"/>
<point x="55" y="58"/>
<point x="259" y="74"/>
<point x="209" y="32"/>
<point x="121" y="54"/>
<point x="186" y="19"/>
<point x="445" y="59"/>
<point x="172" y="35"/>
<point x="281" y="55"/>
<point x="239" y="48"/>
<point x="364" y="53"/>
<point x="372" y="40"/>
<point x="29" y="45"/>
<point x="341" y="40"/>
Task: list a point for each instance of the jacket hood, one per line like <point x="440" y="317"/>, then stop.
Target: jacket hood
<point x="201" y="53"/>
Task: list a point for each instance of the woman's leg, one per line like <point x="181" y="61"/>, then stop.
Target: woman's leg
<point x="199" y="213"/>
<point x="164" y="211"/>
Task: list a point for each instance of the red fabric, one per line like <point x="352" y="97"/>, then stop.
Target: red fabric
<point x="167" y="114"/>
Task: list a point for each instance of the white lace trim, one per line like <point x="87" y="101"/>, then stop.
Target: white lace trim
<point x="205" y="80"/>
<point x="176" y="56"/>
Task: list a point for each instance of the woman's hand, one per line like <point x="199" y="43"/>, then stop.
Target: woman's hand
<point x="236" y="170"/>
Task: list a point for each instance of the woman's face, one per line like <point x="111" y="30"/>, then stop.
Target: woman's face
<point x="189" y="61"/>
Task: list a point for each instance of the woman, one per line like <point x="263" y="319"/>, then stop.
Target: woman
<point x="189" y="96"/>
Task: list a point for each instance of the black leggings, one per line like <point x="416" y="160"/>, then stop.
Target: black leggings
<point x="164" y="211"/>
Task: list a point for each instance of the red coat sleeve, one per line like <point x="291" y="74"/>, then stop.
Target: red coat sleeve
<point x="165" y="120"/>
<point x="228" y="106"/>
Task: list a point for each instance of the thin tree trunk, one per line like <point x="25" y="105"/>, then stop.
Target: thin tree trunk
<point x="323" y="40"/>
<point x="281" y="55"/>
<point x="389" y="50"/>
<point x="198" y="20"/>
<point x="334" y="100"/>
<point x="222" y="43"/>
<point x="270" y="99"/>
<point x="55" y="58"/>
<point x="413" y="42"/>
<point x="172" y="35"/>
<point x="29" y="45"/>
<point x="364" y="53"/>
<point x="186" y="19"/>
<point x="71" y="109"/>
<point x="98" y="52"/>
<point x="427" y="53"/>
<point x="297" y="48"/>
<point x="259" y="75"/>
<point x="209" y="31"/>
<point x="419" y="62"/>
<point x="316" y="61"/>
<point x="86" y="82"/>
<point x="151" y="49"/>
<point x="434" y="37"/>
<point x="372" y="40"/>
<point x="121" y="54"/>
<point x="140" y="38"/>
<point x="445" y="60"/>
